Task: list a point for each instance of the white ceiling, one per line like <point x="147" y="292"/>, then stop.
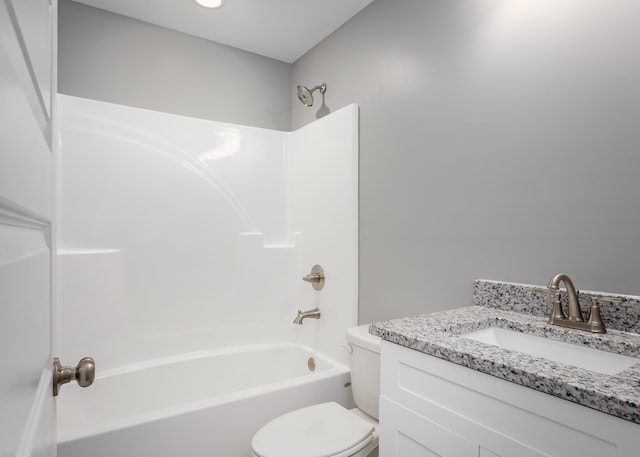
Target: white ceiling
<point x="280" y="29"/>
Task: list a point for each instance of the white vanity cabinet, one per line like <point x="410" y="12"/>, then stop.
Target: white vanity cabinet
<point x="432" y="407"/>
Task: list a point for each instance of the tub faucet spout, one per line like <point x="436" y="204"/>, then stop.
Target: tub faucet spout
<point x="302" y="315"/>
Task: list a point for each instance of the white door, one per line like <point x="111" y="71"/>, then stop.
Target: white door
<point x="27" y="83"/>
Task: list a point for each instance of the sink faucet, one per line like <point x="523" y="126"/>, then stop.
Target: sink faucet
<point x="593" y="324"/>
<point x="302" y="315"/>
<point x="575" y="313"/>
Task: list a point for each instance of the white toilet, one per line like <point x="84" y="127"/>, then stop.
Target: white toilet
<point x="328" y="429"/>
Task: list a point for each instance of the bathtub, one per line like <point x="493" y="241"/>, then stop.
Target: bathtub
<point x="204" y="404"/>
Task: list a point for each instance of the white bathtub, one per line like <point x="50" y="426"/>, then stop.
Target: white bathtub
<point x="205" y="404"/>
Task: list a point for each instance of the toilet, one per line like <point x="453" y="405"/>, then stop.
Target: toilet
<point x="328" y="429"/>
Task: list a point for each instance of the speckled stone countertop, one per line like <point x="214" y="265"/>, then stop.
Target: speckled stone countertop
<point x="437" y="334"/>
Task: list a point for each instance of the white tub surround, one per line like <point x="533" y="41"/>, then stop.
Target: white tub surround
<point x="179" y="234"/>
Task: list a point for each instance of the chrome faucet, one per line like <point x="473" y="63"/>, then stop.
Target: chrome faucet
<point x="575" y="320"/>
<point x="302" y="315"/>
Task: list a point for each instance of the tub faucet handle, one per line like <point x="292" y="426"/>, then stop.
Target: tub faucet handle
<point x="316" y="277"/>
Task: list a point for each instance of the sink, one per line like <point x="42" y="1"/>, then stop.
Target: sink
<point x="569" y="354"/>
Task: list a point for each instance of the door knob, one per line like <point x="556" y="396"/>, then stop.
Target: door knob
<point x="84" y="373"/>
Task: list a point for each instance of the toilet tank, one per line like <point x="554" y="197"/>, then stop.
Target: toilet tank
<point x="365" y="368"/>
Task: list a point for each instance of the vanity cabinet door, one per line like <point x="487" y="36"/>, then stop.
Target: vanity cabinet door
<point x="404" y="433"/>
<point x="407" y="434"/>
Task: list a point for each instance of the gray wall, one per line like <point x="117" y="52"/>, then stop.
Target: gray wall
<point x="499" y="139"/>
<point x="108" y="57"/>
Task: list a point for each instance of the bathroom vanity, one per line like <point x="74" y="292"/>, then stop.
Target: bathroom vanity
<point x="446" y="392"/>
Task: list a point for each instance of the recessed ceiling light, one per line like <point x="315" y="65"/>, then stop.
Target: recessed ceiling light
<point x="209" y="3"/>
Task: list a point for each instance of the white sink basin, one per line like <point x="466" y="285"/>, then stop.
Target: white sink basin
<point x="570" y="354"/>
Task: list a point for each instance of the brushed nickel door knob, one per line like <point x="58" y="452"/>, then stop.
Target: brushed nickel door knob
<point x="84" y="373"/>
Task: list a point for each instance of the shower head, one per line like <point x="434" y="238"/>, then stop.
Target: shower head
<point x="306" y="95"/>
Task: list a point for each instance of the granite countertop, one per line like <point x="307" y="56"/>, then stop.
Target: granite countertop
<point x="437" y="334"/>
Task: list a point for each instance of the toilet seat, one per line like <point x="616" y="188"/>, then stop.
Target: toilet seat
<point x="324" y="430"/>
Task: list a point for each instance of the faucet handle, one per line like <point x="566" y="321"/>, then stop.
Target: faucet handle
<point x="595" y="319"/>
<point x="556" y="313"/>
<point x="316" y="277"/>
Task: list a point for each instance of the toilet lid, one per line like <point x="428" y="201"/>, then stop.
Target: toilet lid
<point x="321" y="430"/>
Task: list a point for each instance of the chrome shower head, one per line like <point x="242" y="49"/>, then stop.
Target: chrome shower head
<point x="306" y="95"/>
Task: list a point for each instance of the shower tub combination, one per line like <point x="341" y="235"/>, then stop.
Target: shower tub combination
<point x="205" y="404"/>
<point x="182" y="244"/>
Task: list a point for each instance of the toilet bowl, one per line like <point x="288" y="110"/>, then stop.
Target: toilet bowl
<point x="328" y="429"/>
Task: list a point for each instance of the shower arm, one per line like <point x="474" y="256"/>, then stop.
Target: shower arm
<point x="322" y="87"/>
